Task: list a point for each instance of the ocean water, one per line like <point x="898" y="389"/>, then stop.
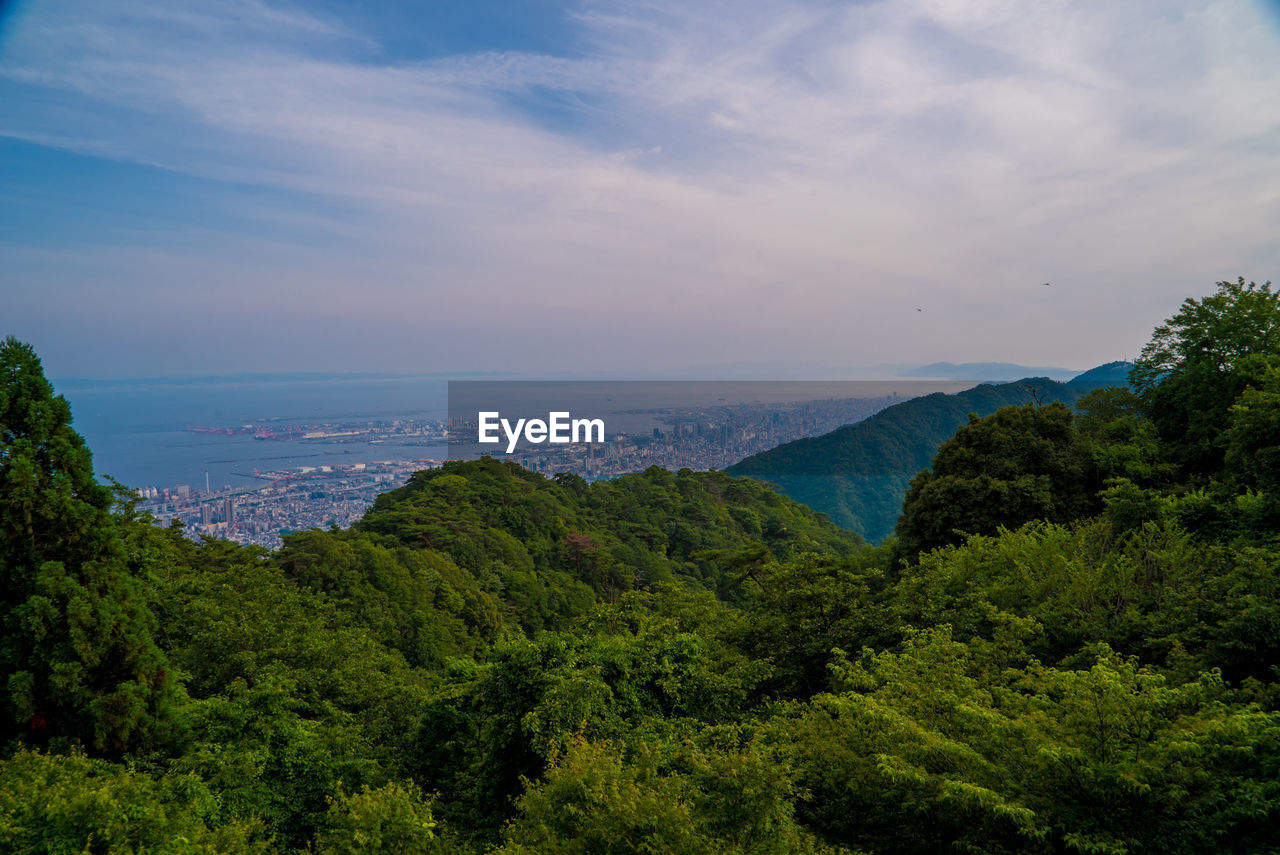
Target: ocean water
<point x="137" y="430"/>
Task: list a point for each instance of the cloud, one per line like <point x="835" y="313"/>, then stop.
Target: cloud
<point x="690" y="181"/>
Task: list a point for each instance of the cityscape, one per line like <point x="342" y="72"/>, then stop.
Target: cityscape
<point x="282" y="500"/>
<point x="699" y="438"/>
<point x="294" y="500"/>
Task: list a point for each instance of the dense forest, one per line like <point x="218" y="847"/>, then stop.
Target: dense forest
<point x="858" y="474"/>
<point x="1070" y="644"/>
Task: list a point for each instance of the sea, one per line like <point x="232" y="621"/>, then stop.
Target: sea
<point x="139" y="433"/>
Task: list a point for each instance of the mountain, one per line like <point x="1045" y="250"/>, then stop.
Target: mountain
<point x="1111" y="374"/>
<point x="858" y="474"/>
<point x="546" y="547"/>
<point x="987" y="372"/>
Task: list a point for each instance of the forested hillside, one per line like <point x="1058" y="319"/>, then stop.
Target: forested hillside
<point x="1070" y="645"/>
<point x="858" y="474"/>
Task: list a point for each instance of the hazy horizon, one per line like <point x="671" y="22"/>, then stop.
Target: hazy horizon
<point x="736" y="372"/>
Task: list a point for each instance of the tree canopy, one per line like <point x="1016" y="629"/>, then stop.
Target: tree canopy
<point x="1199" y="362"/>
<point x="1016" y="465"/>
<point x="495" y="661"/>
<point x="77" y="657"/>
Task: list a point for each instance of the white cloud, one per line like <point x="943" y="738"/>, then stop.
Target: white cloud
<point x="794" y="177"/>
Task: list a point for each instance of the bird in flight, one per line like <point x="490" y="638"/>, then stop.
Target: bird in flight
<point x="919" y="310"/>
<point x="1046" y="284"/>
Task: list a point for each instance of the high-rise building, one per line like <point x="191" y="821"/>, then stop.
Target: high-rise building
<point x="229" y="511"/>
<point x="206" y="513"/>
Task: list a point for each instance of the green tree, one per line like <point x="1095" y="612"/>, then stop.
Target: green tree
<point x="947" y="747"/>
<point x="77" y="655"/>
<point x="1016" y="465"/>
<point x="592" y="803"/>
<point x="72" y="804"/>
<point x="1121" y="441"/>
<point x="595" y="800"/>
<point x="1197" y="364"/>
<point x="1252" y="441"/>
<point x="805" y="608"/>
<point x="392" y="820"/>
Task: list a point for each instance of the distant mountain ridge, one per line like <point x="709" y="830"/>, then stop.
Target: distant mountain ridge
<point x="858" y="474"/>
<point x="988" y="372"/>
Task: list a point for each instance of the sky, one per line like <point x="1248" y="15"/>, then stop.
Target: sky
<point x="637" y="188"/>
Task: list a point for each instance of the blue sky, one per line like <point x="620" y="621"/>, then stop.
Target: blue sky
<point x="637" y="188"/>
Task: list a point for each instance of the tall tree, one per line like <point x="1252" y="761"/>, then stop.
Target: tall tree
<point x="1016" y="465"/>
<point x="1198" y="363"/>
<point x="77" y="656"/>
